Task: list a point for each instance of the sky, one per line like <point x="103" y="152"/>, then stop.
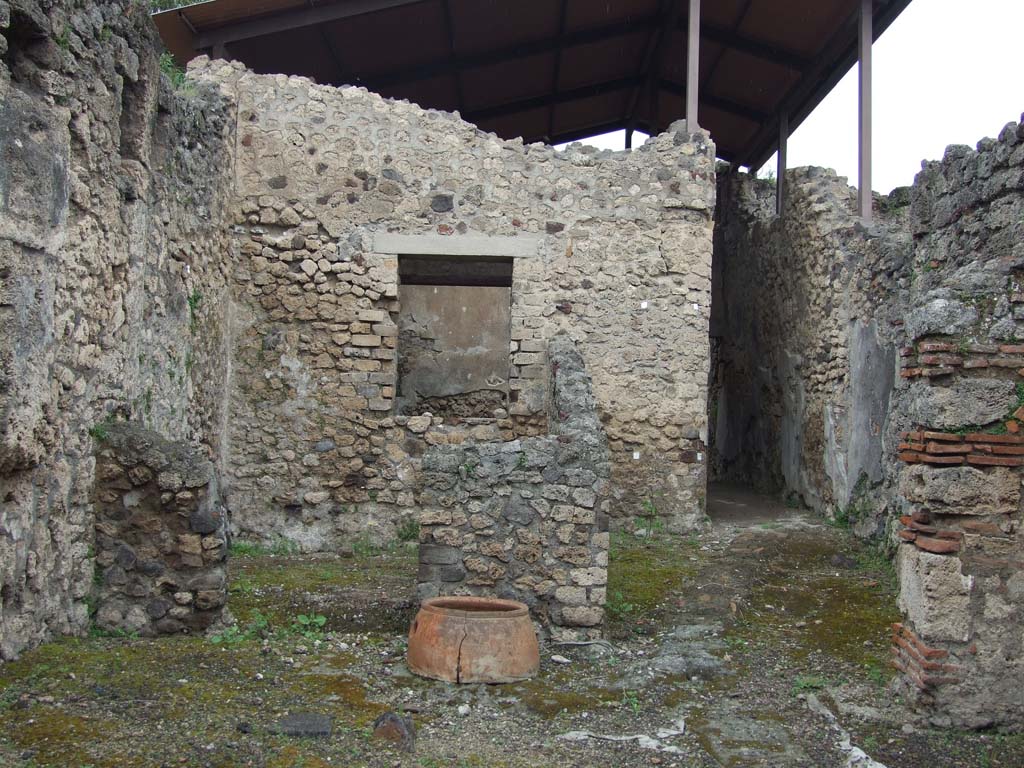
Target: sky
<point x="945" y="72"/>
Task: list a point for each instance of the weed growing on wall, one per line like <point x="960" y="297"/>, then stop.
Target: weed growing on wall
<point x="194" y="300"/>
<point x="409" y="531"/>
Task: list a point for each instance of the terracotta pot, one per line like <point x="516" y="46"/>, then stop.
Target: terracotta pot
<point x="473" y="640"/>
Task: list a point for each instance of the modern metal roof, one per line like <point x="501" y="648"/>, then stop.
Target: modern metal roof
<point x="553" y="70"/>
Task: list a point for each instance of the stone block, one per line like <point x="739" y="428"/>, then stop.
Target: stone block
<point x="365" y="340"/>
<point x="934" y="595"/>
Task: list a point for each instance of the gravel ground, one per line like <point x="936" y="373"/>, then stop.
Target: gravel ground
<point x="760" y="642"/>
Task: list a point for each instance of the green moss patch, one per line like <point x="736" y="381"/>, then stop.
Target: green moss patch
<point x="642" y="574"/>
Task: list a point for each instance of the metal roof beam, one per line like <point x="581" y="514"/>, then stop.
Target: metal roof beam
<point x="294" y="19"/>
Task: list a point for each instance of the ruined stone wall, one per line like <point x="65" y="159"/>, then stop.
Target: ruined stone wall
<point x="961" y="558"/>
<point x="161" y="535"/>
<point x="113" y="254"/>
<point x="806" y="325"/>
<point x="525" y="519"/>
<point x="876" y="372"/>
<point x="613" y="249"/>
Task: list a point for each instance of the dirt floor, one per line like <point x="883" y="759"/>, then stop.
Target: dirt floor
<point x="762" y="641"/>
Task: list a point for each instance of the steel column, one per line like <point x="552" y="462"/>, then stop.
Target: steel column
<point x="692" y="65"/>
<point x="866" y="39"/>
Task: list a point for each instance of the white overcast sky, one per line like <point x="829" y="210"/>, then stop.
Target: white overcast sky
<point x="946" y="72"/>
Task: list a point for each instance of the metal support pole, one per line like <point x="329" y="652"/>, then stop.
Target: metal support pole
<point x="629" y="138"/>
<point x="866" y="39"/>
<point x="692" y="65"/>
<point x="780" y="173"/>
<point x="220" y="51"/>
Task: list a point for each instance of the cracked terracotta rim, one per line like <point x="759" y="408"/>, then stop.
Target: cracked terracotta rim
<point x="475" y="607"/>
<point x="473" y="640"/>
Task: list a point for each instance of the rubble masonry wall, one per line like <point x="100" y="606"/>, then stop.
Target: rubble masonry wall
<point x="876" y="373"/>
<point x="526" y="519"/>
<point x="113" y="276"/>
<point x="613" y="249"/>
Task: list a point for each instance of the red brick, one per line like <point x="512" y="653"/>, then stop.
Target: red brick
<point x="911" y="457"/>
<point x="920" y="516"/>
<point x="918" y="447"/>
<point x="1008" y="450"/>
<point x="1019" y="413"/>
<point x="924" y="650"/>
<point x="933" y="459"/>
<point x="910" y="373"/>
<point x="947" y="437"/>
<point x="907" y="671"/>
<point x="937" y="447"/>
<point x="907" y="535"/>
<point x="948" y="534"/>
<point x="923" y="663"/>
<point x="976" y="362"/>
<point x="980" y="437"/>
<point x="940" y="360"/>
<point x="1013" y="426"/>
<point x="1012" y="349"/>
<point x="907" y="352"/>
<point x="1006" y="362"/>
<point x="936" y="346"/>
<point x="983" y="349"/>
<point x="937" y="546"/>
<point x="933" y="373"/>
<point x="982" y="460"/>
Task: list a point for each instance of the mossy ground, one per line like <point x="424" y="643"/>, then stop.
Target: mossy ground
<point x="790" y="621"/>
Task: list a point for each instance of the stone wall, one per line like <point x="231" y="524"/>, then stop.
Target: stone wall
<point x="525" y="519"/>
<point x="161" y="535"/>
<point x="875" y="373"/>
<point x="334" y="185"/>
<point x="113" y="278"/>
<point x="961" y="560"/>
<point x="806" y="325"/>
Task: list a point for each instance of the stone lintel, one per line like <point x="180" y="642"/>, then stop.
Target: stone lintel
<point x="517" y="247"/>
